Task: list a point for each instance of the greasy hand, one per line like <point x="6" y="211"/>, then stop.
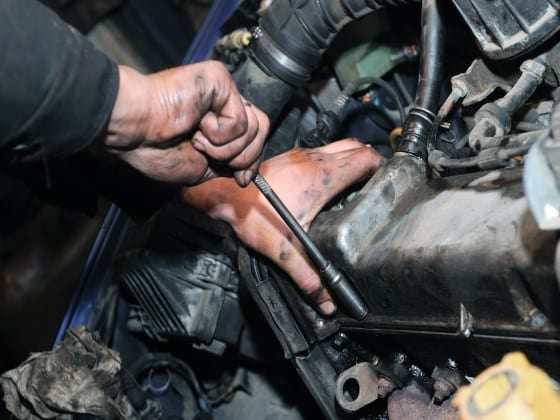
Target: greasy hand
<point x="171" y="125"/>
<point x="305" y="180"/>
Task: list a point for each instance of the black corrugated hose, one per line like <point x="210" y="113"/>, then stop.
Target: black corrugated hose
<point x="289" y="43"/>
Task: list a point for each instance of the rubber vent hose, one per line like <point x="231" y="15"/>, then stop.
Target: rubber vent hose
<point x="289" y="43"/>
<point x="418" y="125"/>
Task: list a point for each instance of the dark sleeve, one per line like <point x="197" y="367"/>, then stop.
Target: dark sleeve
<point x="56" y="90"/>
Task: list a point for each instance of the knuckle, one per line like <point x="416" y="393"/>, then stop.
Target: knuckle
<point x="217" y="66"/>
<point x="266" y="125"/>
<point x="227" y="155"/>
<point x="243" y="123"/>
<point x="252" y="132"/>
<point x="239" y="162"/>
<point x="265" y="121"/>
<point x="220" y="154"/>
<point x="309" y="285"/>
<point x="219" y="71"/>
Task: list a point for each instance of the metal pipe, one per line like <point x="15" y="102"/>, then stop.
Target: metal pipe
<point x="494" y="119"/>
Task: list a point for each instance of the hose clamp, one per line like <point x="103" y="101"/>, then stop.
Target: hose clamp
<point x="278" y="63"/>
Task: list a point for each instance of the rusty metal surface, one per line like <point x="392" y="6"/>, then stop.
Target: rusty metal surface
<point x="478" y="82"/>
<point x="413" y="402"/>
<point x="356" y="387"/>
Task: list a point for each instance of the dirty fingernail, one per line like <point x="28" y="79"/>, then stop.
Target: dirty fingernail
<point x="241" y="179"/>
<point x="248" y="175"/>
<point x="327" y="308"/>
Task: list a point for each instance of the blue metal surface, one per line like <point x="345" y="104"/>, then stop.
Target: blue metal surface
<point x="94" y="278"/>
<point x="90" y="284"/>
<point x="209" y="32"/>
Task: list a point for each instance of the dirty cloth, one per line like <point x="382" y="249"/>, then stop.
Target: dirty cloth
<point x="79" y="376"/>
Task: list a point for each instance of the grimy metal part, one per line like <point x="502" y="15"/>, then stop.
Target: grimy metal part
<point x="364" y="381"/>
<point x="339" y="285"/>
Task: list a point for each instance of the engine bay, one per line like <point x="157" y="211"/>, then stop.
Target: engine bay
<point x="452" y="244"/>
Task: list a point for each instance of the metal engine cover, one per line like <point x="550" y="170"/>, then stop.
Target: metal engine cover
<point x="459" y="256"/>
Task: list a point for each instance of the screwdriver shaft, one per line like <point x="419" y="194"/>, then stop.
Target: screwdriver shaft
<point x="339" y="285"/>
<point x="310" y="248"/>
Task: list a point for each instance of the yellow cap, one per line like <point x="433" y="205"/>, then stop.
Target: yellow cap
<point x="511" y="389"/>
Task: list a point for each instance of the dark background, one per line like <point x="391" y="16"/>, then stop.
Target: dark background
<point x="43" y="246"/>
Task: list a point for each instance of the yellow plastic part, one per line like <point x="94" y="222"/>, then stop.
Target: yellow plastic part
<point x="394" y="137"/>
<point x="511" y="389"/>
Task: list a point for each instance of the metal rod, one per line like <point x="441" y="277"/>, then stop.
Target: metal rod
<point x="340" y="286"/>
<point x="312" y="251"/>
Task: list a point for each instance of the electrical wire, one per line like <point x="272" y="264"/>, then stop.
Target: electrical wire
<point x="469" y="162"/>
<point x="473" y="161"/>
<point x="399" y="82"/>
<point x="356" y="85"/>
<point x="315" y="102"/>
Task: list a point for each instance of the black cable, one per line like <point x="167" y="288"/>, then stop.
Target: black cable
<point x="315" y="102"/>
<point x="399" y="82"/>
<point x="419" y="124"/>
<point x="528" y="126"/>
<point x="159" y="360"/>
<point x="521" y="91"/>
<point x="502" y="154"/>
<point x="504" y="148"/>
<point x="431" y="60"/>
<point x="513" y="140"/>
<point x="510" y="152"/>
<point x="330" y="120"/>
<point x="356" y="85"/>
<point x="469" y="162"/>
<point x="378" y="116"/>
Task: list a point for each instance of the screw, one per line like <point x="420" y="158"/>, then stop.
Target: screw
<point x="339" y="342"/>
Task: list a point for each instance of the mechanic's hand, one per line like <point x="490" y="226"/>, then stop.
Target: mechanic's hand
<point x="175" y="125"/>
<point x="305" y="180"/>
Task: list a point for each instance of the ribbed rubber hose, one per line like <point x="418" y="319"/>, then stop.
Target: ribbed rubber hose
<point x="295" y="33"/>
<point x="288" y="45"/>
<point x="418" y="125"/>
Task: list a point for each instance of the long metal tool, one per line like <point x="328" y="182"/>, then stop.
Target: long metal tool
<point x="338" y="284"/>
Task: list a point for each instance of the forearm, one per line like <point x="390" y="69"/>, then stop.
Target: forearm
<point x="57" y="90"/>
<point x="60" y="94"/>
